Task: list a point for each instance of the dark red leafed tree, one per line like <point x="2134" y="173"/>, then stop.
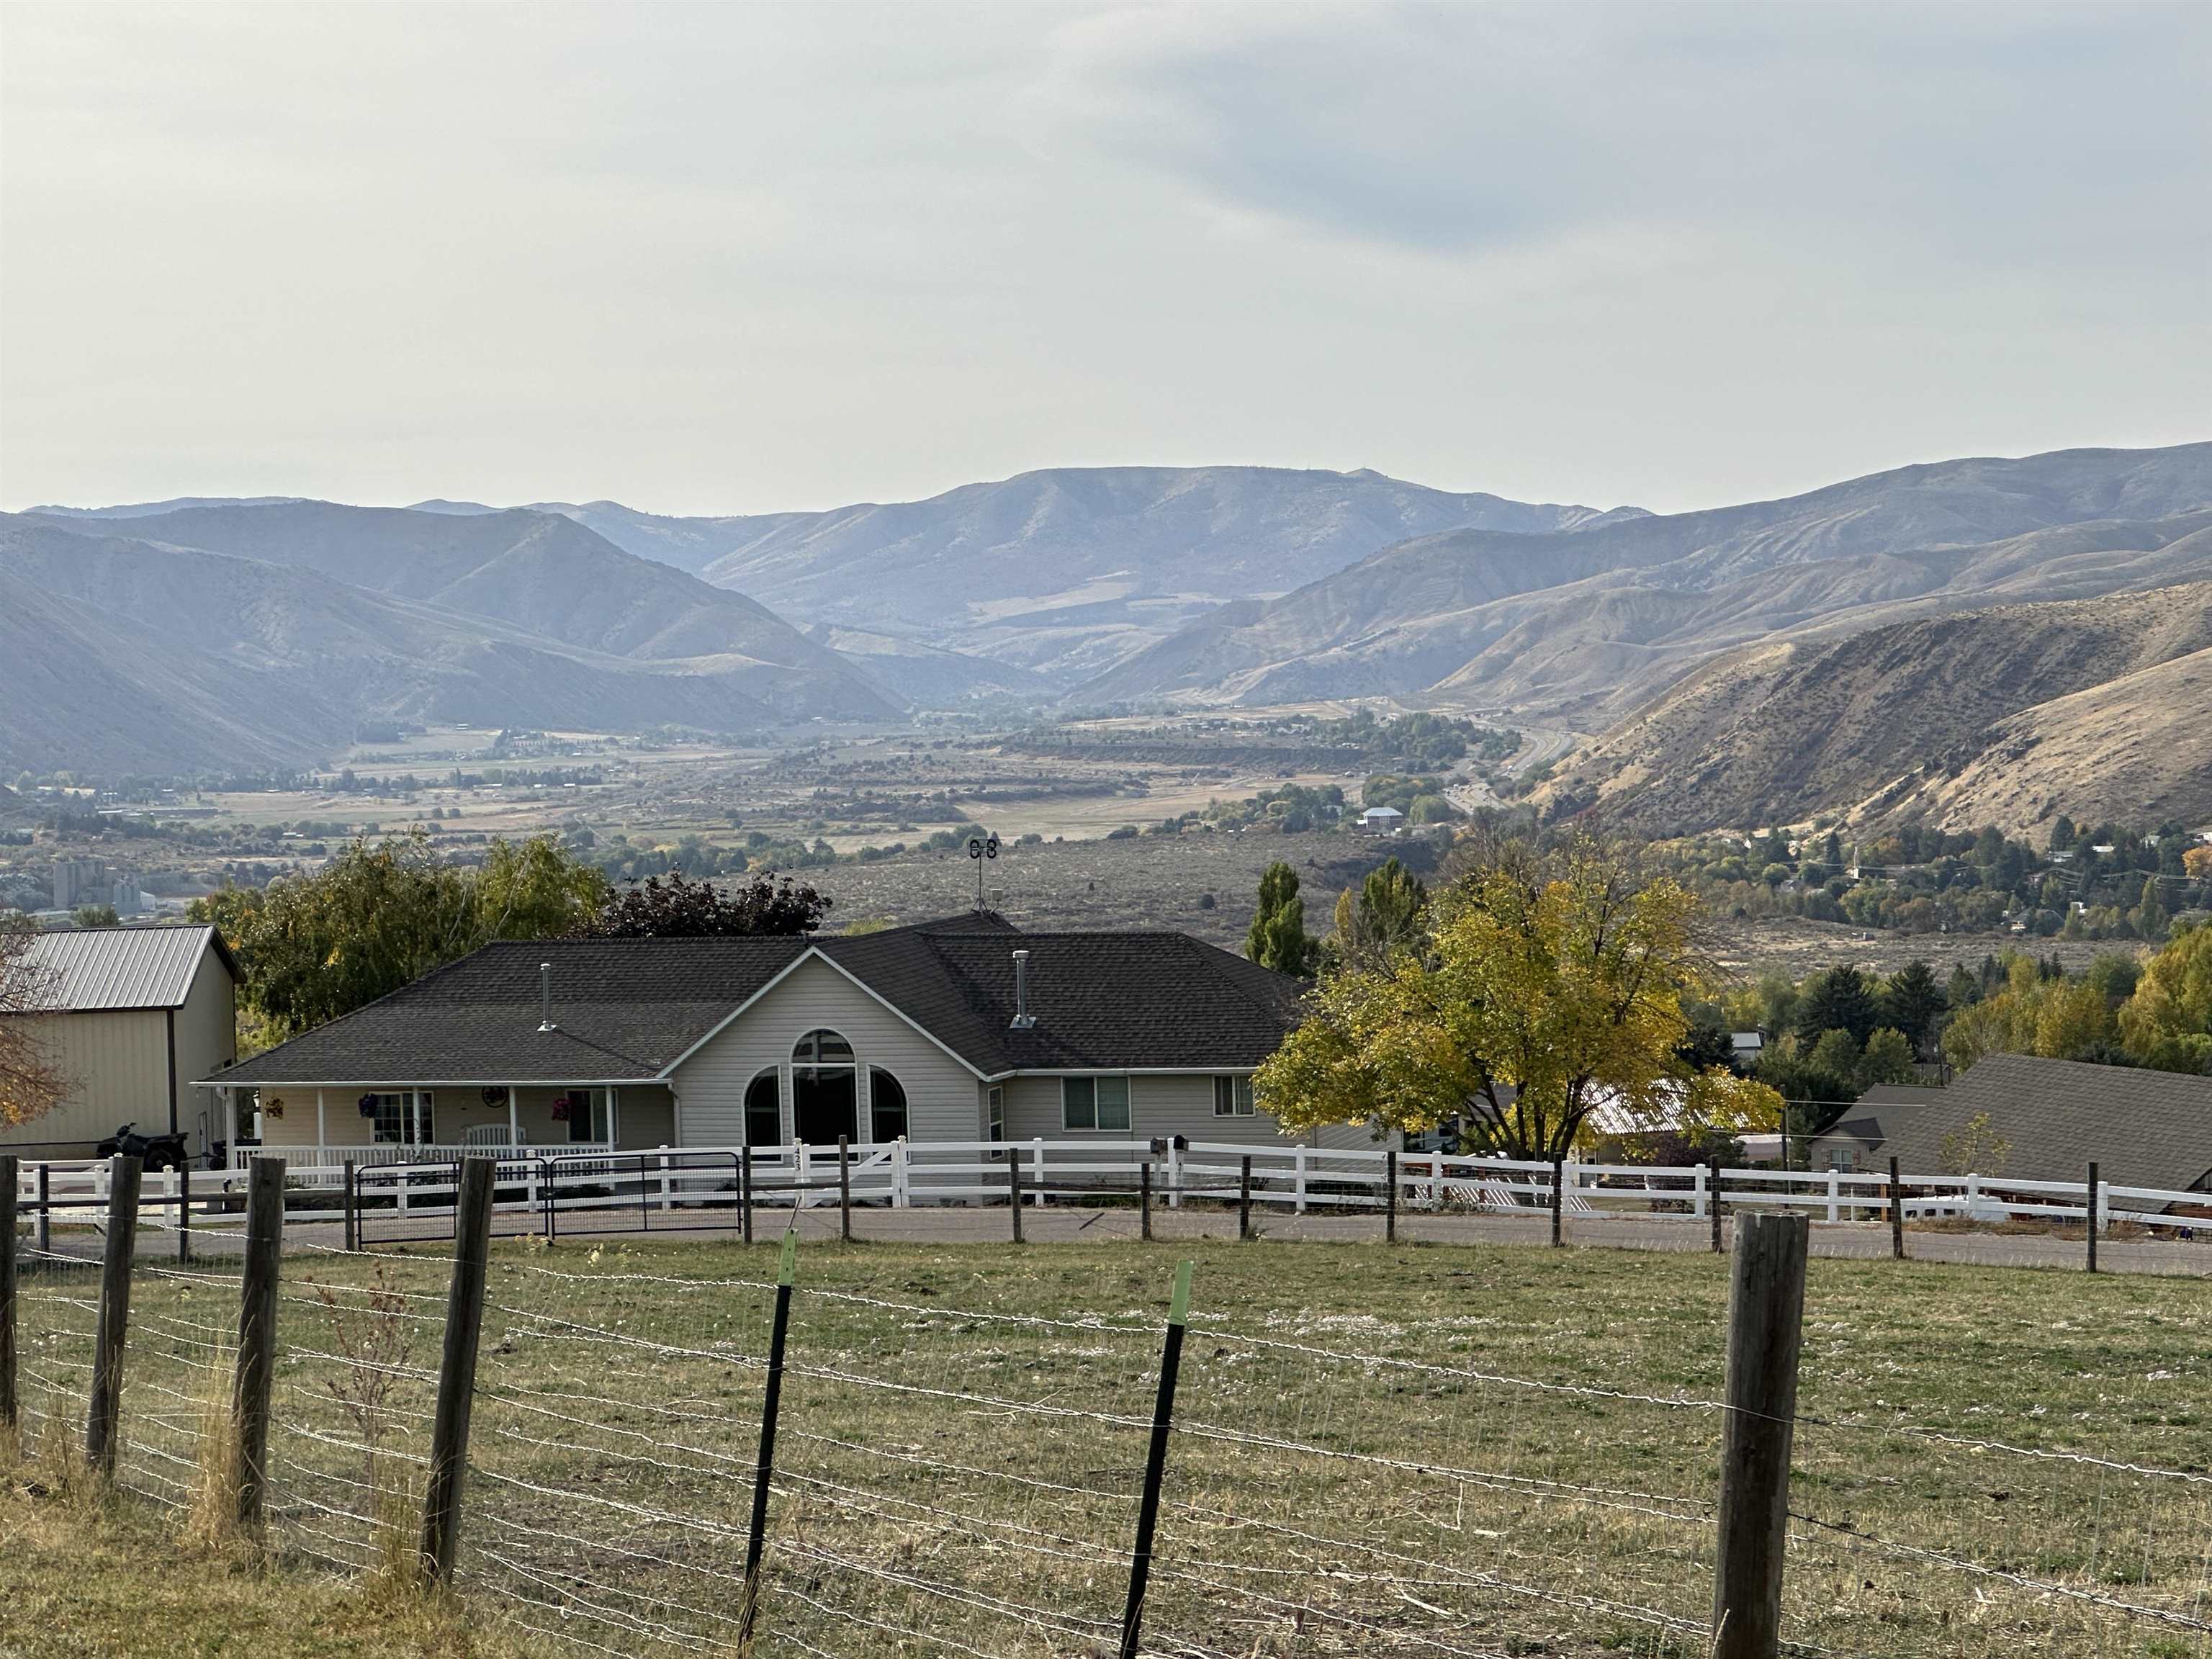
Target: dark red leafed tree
<point x="672" y="908"/>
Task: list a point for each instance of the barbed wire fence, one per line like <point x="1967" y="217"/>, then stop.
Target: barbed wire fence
<point x="955" y="1476"/>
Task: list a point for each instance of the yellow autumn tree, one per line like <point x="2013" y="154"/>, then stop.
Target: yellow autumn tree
<point x="1553" y="982"/>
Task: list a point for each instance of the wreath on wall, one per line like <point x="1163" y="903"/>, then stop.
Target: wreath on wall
<point x="273" y="1107"/>
<point x="368" y="1104"/>
<point x="495" y="1097"/>
<point x="560" y="1109"/>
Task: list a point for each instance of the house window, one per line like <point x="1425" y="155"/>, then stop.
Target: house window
<point x="994" y="1101"/>
<point x="764" y="1110"/>
<point x="591" y="1113"/>
<point x="825" y="1088"/>
<point x="1232" y="1096"/>
<point x="1094" y="1103"/>
<point x="1845" y="1158"/>
<point x="886" y="1105"/>
<point x="403" y="1118"/>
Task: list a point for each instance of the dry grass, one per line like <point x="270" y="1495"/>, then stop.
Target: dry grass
<point x="1352" y="1476"/>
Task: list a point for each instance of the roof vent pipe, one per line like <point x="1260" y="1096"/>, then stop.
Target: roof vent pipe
<point x="545" y="997"/>
<point x="1024" y="1019"/>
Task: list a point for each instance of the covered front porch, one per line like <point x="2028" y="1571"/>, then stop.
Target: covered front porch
<point x="397" y="1122"/>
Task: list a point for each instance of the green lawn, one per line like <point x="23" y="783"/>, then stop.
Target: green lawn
<point x="1367" y="1463"/>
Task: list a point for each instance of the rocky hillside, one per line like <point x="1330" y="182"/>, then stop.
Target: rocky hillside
<point x="1582" y="626"/>
<point x="2007" y="716"/>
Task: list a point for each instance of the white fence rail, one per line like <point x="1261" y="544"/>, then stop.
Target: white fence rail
<point x="664" y="1180"/>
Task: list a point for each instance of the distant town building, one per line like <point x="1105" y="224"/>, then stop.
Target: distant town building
<point x="1381" y="820"/>
<point x="89" y="881"/>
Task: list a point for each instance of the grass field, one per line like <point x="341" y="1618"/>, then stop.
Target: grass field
<point x="1425" y="1451"/>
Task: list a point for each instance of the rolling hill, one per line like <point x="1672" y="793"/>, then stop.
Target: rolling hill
<point x="2008" y="715"/>
<point x="126" y="654"/>
<point x="1582" y="625"/>
<point x="1055" y="574"/>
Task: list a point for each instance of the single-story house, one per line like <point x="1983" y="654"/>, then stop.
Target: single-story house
<point x="132" y="1019"/>
<point x="961" y="1031"/>
<point x="2142" y="1128"/>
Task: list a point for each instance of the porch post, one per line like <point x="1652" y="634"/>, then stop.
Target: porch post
<point x="230" y="1124"/>
<point x="322" y="1129"/>
<point x="513" y="1122"/>
<point x="614" y="1115"/>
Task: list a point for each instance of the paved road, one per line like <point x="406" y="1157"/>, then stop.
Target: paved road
<point x="1070" y="1224"/>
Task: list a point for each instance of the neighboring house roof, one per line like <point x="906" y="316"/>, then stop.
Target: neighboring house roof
<point x="1382" y="812"/>
<point x="627" y="1010"/>
<point x="113" y="970"/>
<point x="2143" y="1128"/>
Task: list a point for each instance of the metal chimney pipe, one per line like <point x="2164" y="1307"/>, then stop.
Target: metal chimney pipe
<point x="545" y="997"/>
<point x="1024" y="1020"/>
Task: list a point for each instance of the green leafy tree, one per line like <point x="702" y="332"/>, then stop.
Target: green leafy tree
<point x="672" y="907"/>
<point x="1837" y="1000"/>
<point x="1388" y="912"/>
<point x="1837" y="1054"/>
<point x="375" y="918"/>
<point x="1554" y="980"/>
<point x="2167" y="1022"/>
<point x="94" y="916"/>
<point x="1277" y="937"/>
<point x="1887" y="1059"/>
<point x="1912" y="1002"/>
<point x="2149" y="915"/>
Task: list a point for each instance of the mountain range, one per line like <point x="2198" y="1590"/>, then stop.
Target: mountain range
<point x="279" y="623"/>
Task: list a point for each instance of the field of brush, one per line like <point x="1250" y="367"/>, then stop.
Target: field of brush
<point x="1473" y="1451"/>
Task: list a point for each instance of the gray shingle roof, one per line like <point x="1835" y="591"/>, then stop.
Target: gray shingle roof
<point x="628" y="1008"/>
<point x="92" y="970"/>
<point x="2143" y="1128"/>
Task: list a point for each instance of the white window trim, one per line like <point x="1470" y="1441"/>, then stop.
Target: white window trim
<point x="1240" y="1084"/>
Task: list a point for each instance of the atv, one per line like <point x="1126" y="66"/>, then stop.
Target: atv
<point x="154" y="1151"/>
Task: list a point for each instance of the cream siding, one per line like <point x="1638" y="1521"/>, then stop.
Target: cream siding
<point x="1161" y="1104"/>
<point x="207" y="1041"/>
<point x="940" y="1092"/>
<point x="644" y="1115"/>
<point x="114" y="1068"/>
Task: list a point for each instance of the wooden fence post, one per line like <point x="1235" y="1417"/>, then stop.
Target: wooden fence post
<point x="844" y="1191"/>
<point x="1014" y="1187"/>
<point x="42" y="1232"/>
<point x="1559" y="1202"/>
<point x="1896" y="1212"/>
<point x="256" y="1339"/>
<point x="350" y="1207"/>
<point x="2090" y="1205"/>
<point x="104" y="1416"/>
<point x="1156" y="1460"/>
<point x="1713" y="1203"/>
<point x="457" y="1370"/>
<point x="8" y="1179"/>
<point x="1390" y="1195"/>
<point x="1145" y="1197"/>
<point x="1244" y="1198"/>
<point x="183" y="1174"/>
<point x="1766" y="1306"/>
<point x="745" y="1195"/>
<point x="764" y="1465"/>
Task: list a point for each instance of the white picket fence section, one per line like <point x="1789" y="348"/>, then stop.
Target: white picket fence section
<point x="902" y="1175"/>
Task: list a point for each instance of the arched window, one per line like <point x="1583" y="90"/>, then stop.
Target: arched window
<point x="825" y="1088"/>
<point x="886" y="1105"/>
<point x="763" y="1111"/>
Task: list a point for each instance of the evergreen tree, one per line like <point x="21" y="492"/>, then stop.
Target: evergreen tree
<point x="2149" y="916"/>
<point x="1388" y="913"/>
<point x="1964" y="987"/>
<point x="1278" y="936"/>
<point x="1837" y="1000"/>
<point x="1911" y="1002"/>
<point x="2063" y="835"/>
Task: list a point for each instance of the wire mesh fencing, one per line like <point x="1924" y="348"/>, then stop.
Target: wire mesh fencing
<point x="962" y="1446"/>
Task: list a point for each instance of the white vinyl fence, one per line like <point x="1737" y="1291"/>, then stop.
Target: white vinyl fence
<point x="667" y="1181"/>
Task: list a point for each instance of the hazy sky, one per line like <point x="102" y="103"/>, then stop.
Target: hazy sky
<point x="745" y="258"/>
